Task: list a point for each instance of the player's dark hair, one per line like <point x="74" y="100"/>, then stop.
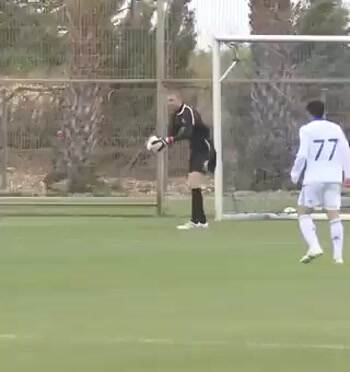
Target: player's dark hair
<point x="316" y="108"/>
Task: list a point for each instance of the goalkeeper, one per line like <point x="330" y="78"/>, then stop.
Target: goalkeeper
<point x="187" y="124"/>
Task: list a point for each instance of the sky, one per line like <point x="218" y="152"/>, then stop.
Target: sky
<point x="219" y="17"/>
<point x="222" y="16"/>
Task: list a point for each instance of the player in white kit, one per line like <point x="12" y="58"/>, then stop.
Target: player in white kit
<point x="324" y="157"/>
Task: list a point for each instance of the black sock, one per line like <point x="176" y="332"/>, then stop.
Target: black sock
<point x="198" y="214"/>
<point x="195" y="217"/>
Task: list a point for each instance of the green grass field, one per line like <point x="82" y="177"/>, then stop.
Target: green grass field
<point x="133" y="294"/>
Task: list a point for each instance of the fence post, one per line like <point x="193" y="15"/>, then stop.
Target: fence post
<point x="161" y="130"/>
<point x="3" y="134"/>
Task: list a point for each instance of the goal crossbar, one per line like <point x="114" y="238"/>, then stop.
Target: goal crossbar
<point x="282" y="38"/>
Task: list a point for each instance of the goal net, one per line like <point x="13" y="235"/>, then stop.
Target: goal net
<point x="261" y="85"/>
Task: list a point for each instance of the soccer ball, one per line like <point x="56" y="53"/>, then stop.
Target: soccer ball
<point x="289" y="210"/>
<point x="153" y="144"/>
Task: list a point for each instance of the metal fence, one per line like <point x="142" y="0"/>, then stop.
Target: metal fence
<point x="262" y="103"/>
<point x="34" y="152"/>
<point x="79" y="85"/>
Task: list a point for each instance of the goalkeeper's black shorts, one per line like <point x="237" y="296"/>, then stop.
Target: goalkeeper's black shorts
<point x="203" y="161"/>
<point x="199" y="162"/>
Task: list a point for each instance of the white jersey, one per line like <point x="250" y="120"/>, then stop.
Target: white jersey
<point x="324" y="153"/>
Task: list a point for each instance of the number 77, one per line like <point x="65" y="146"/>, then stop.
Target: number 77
<point x="335" y="143"/>
<point x="321" y="144"/>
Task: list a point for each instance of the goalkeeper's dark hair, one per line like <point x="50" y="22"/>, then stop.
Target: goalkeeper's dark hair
<point x="316" y="108"/>
<point x="175" y="92"/>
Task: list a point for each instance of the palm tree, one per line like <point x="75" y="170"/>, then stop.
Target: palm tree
<point x="90" y="28"/>
<point x="180" y="37"/>
<point x="270" y="102"/>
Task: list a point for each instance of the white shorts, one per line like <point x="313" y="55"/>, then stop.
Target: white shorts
<point x="322" y="195"/>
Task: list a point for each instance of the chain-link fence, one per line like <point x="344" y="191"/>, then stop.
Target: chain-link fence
<point x="263" y="106"/>
<point x="44" y="138"/>
<point x="79" y="94"/>
<point x="49" y="135"/>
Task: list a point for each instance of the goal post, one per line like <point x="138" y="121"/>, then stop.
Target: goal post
<point x="217" y="129"/>
<point x="261" y="84"/>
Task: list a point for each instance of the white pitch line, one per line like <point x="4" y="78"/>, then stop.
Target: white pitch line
<point x="198" y="342"/>
<point x="150" y="341"/>
<point x="161" y="341"/>
<point x="278" y="345"/>
<point x="282" y="244"/>
<point x="168" y="341"/>
<point x="209" y="342"/>
<point x="8" y="336"/>
<point x="13" y="337"/>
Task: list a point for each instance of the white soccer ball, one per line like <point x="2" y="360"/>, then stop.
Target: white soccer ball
<point x="289" y="210"/>
<point x="153" y="144"/>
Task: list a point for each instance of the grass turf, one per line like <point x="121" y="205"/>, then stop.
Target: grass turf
<point x="134" y="294"/>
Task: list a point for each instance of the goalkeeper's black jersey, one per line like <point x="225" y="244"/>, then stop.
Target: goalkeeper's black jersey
<point x="187" y="123"/>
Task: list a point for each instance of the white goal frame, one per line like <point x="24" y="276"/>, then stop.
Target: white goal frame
<point x="218" y="77"/>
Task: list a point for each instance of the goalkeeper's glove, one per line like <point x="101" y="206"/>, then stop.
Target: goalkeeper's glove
<point x="165" y="142"/>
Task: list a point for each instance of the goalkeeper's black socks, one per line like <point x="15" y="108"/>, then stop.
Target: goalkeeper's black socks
<point x="194" y="217"/>
<point x="198" y="214"/>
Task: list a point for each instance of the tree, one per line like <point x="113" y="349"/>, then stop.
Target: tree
<point x="133" y="56"/>
<point x="270" y="113"/>
<point x="269" y="125"/>
<point x="180" y="37"/>
<point x="321" y="17"/>
<point x="89" y="39"/>
<point x="42" y="51"/>
<point x="88" y="27"/>
<point x="200" y="64"/>
<point x="136" y="106"/>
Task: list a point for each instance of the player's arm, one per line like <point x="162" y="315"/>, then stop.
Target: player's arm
<point x="301" y="157"/>
<point x="186" y="129"/>
<point x="183" y="133"/>
<point x="345" y="155"/>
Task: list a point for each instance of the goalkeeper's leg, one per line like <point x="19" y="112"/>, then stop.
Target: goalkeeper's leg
<point x="195" y="180"/>
<point x="198" y="217"/>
